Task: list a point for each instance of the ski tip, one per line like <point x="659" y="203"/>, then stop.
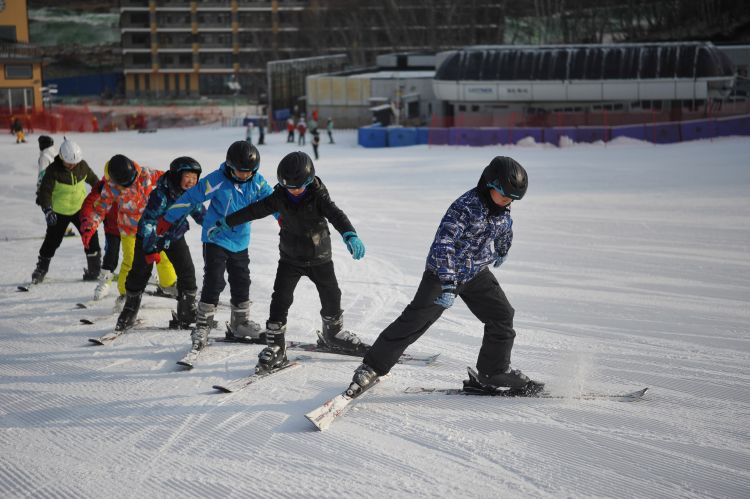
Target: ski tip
<point x="86" y="321"/>
<point x="96" y="341"/>
<point x="23" y="289"/>
<point x="318" y="426"/>
<point x="81" y="305"/>
<point x="222" y="389"/>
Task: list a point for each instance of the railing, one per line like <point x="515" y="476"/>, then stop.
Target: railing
<point x="19" y="51"/>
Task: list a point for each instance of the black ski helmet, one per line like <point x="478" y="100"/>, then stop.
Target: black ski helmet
<point x="121" y="170"/>
<point x="45" y="141"/>
<point x="506" y="176"/>
<point x="296" y="170"/>
<point x="243" y="157"/>
<point x="184" y="164"/>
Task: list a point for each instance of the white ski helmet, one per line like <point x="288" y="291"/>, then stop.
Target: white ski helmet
<point x="70" y="152"/>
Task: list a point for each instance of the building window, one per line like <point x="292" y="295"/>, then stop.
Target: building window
<point x="8" y="34"/>
<point x="18" y="71"/>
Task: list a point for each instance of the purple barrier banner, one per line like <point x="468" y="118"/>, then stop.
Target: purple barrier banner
<point x="438" y="136"/>
<point x="739" y="125"/>
<point x="663" y="133"/>
<point x="488" y="137"/>
<point x="423" y="135"/>
<point x="372" y="137"/>
<point x="458" y="136"/>
<point x="518" y="134"/>
<point x="630" y="131"/>
<point x="696" y="130"/>
<point x="399" y="137"/>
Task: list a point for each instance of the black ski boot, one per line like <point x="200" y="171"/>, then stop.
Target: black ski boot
<point x="186" y="310"/>
<point x="204" y="321"/>
<point x="94" y="263"/>
<point x="364" y="378"/>
<point x="129" y="313"/>
<point x="513" y="380"/>
<point x="274" y="355"/>
<point x="335" y="337"/>
<point x="42" y="266"/>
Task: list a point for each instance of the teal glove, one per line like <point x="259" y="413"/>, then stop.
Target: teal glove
<point x="354" y="244"/>
<point x="220" y="228"/>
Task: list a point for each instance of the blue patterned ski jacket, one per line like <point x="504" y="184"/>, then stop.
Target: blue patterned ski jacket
<point x="161" y="198"/>
<point x="468" y="239"/>
<point x="226" y="196"/>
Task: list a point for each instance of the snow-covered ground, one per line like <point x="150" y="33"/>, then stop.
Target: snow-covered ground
<point x="630" y="268"/>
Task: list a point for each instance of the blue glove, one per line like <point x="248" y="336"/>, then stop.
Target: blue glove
<point x="447" y="298"/>
<point x="354" y="244"/>
<point x="218" y="229"/>
<point x="499" y="259"/>
<point x="50" y="216"/>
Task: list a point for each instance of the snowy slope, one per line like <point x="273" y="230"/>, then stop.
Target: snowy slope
<point x="629" y="269"/>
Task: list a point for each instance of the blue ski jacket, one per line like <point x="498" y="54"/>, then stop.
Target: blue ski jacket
<point x="161" y="198"/>
<point x="226" y="196"/>
<point x="468" y="239"/>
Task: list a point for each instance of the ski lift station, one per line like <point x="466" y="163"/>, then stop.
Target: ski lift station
<point x="516" y="86"/>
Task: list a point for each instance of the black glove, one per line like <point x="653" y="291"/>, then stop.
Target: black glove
<point x="50" y="216"/>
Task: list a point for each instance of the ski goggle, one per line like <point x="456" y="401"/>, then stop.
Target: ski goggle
<point x="499" y="188"/>
<point x="308" y="181"/>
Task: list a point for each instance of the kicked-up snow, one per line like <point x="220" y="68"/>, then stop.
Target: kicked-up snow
<point x="630" y="268"/>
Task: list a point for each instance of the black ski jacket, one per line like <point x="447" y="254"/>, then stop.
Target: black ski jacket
<point x="304" y="238"/>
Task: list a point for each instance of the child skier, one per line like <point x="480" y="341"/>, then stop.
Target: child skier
<point x="234" y="185"/>
<point x="303" y="202"/>
<point x="183" y="174"/>
<point x="128" y="188"/>
<point x="474" y="233"/>
<point x="111" y="237"/>
<point x="61" y="196"/>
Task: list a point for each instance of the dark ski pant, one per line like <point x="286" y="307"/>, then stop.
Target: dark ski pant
<point x="178" y="253"/>
<point x="287" y="277"/>
<point x="217" y="260"/>
<point x="485" y="299"/>
<point x="55" y="234"/>
<point x="111" y="252"/>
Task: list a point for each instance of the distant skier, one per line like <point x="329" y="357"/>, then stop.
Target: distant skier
<point x="475" y="232"/>
<point x="183" y="174"/>
<point x="16" y="128"/>
<point x="329" y="129"/>
<point x="305" y="208"/>
<point x="234" y="185"/>
<point x="315" y="144"/>
<point x="290" y="129"/>
<point x="301" y="131"/>
<point x="261" y="131"/>
<point x="61" y="196"/>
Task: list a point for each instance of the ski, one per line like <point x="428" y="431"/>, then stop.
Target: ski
<point x="622" y="397"/>
<point x="320" y="346"/>
<point x="113" y="335"/>
<point x="323" y="417"/>
<point x="241" y="383"/>
<point x="532" y="390"/>
<point x="25" y="288"/>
